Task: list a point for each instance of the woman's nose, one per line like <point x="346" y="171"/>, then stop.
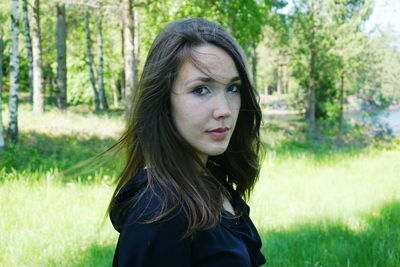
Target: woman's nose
<point x="222" y="106"/>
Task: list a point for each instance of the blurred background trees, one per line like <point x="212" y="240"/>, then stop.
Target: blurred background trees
<point x="316" y="53"/>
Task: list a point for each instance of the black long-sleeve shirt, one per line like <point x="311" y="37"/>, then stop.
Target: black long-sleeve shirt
<point x="233" y="242"/>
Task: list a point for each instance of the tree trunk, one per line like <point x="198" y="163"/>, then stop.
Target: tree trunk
<point x="28" y="41"/>
<point x="14" y="74"/>
<point x="122" y="75"/>
<point x="341" y="104"/>
<point x="279" y="79"/>
<point x="2" y="144"/>
<point x="282" y="80"/>
<point x="136" y="47"/>
<point x="102" y="93"/>
<point x="129" y="50"/>
<point x="310" y="112"/>
<point x="254" y="64"/>
<point x="50" y="83"/>
<point x="61" y="58"/>
<point x="286" y="83"/>
<point x="121" y="78"/>
<point x="115" y="91"/>
<point x="311" y="96"/>
<point x="91" y="67"/>
<point x="38" y="96"/>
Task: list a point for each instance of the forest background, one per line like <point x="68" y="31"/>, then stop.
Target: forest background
<point x="329" y="179"/>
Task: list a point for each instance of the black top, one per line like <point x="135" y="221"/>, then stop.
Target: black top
<point x="233" y="242"/>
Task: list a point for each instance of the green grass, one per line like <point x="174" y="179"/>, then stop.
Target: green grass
<point x="59" y="140"/>
<point x="47" y="223"/>
<point x="314" y="205"/>
<point x="341" y="211"/>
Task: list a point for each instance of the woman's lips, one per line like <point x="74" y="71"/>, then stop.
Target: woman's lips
<point x="219" y="133"/>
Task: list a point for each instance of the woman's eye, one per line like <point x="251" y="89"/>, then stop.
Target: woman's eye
<point x="234" y="88"/>
<point x="201" y="90"/>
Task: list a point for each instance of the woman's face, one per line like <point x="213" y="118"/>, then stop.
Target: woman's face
<point x="205" y="104"/>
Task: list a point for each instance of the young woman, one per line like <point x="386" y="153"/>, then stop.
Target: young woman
<point x="192" y="144"/>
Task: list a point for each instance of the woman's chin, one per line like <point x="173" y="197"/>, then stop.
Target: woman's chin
<point x="216" y="151"/>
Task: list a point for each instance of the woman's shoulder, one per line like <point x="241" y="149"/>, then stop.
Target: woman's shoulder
<point x="152" y="200"/>
<point x="141" y="202"/>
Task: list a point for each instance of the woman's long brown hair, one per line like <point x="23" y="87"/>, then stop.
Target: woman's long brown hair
<point x="152" y="141"/>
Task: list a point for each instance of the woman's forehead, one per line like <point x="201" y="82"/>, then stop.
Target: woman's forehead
<point x="208" y="62"/>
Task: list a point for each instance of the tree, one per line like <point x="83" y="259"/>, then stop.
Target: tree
<point x="347" y="17"/>
<point x="307" y="30"/>
<point x="91" y="63"/>
<point x="275" y="49"/>
<point x="14" y="74"/>
<point x="131" y="43"/>
<point x="376" y="79"/>
<point x="129" y="50"/>
<point x="38" y="96"/>
<point x="28" y="41"/>
<point x="102" y="93"/>
<point x="243" y="18"/>
<point x="325" y="38"/>
<point x="2" y="144"/>
<point x="136" y="44"/>
<point x="61" y="58"/>
<point x="122" y="86"/>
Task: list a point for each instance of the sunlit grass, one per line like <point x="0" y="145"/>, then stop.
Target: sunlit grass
<point x="314" y="205"/>
<point x="49" y="223"/>
<point x="59" y="140"/>
<point x="339" y="187"/>
<point x="74" y="121"/>
<point x="343" y="210"/>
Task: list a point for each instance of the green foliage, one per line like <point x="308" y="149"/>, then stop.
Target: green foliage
<point x="370" y="65"/>
<point x="322" y="29"/>
<point x="377" y="79"/>
<point x="333" y="31"/>
<point x="244" y="18"/>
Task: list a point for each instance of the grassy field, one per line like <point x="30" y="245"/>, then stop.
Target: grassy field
<point x="314" y="205"/>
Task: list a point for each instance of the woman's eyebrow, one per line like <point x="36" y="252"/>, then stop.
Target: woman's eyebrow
<point x="209" y="79"/>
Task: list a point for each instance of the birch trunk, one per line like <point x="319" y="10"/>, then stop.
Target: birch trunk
<point x="2" y="144"/>
<point x="100" y="73"/>
<point x="50" y="82"/>
<point x="28" y="41"/>
<point x="311" y="96"/>
<point x="254" y="64"/>
<point x="61" y="58"/>
<point x="14" y="74"/>
<point x="122" y="74"/>
<point x="286" y="83"/>
<point x="129" y="50"/>
<point x="38" y="101"/>
<point x="341" y="105"/>
<point x="90" y="58"/>
<point x="115" y="91"/>
<point x="279" y="80"/>
<point x="136" y="47"/>
<point x="310" y="113"/>
<point x="282" y="78"/>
